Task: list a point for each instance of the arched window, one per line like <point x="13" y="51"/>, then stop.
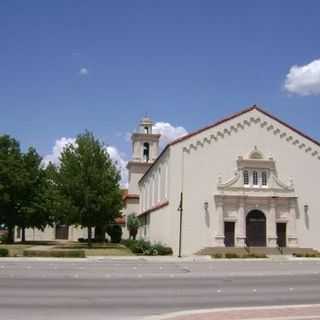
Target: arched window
<point x="146" y="130"/>
<point x="264" y="180"/>
<point x="255" y="178"/>
<point x="246" y="177"/>
<point x="146" y="151"/>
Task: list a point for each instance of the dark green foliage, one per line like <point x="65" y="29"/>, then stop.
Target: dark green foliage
<point x="306" y="255"/>
<point x="133" y="224"/>
<point x="4" y="252"/>
<point x="21" y="187"/>
<point x="231" y="255"/>
<point x="255" y="256"/>
<point x="88" y="181"/>
<point x="217" y="256"/>
<point x="55" y="253"/>
<point x="4" y="238"/>
<point x="161" y="249"/>
<point x="146" y="248"/>
<point x="115" y="233"/>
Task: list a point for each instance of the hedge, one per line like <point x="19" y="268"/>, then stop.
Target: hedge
<point x="4" y="252"/>
<point x="146" y="248"/>
<point x="55" y="253"/>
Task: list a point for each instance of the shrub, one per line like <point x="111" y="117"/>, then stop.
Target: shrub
<point x="217" y="256"/>
<point x="306" y="255"/>
<point x="161" y="249"/>
<point x="133" y="224"/>
<point x="4" y="252"/>
<point x="310" y="255"/>
<point x="4" y="238"/>
<point x="55" y="253"/>
<point x="255" y="256"/>
<point x="146" y="248"/>
<point x="231" y="255"/>
<point x="115" y="233"/>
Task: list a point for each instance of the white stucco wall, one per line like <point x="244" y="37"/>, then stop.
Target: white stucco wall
<point x="214" y="153"/>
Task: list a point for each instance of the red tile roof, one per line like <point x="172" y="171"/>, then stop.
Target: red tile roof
<point x="156" y="207"/>
<point x="120" y="220"/>
<point x="130" y="196"/>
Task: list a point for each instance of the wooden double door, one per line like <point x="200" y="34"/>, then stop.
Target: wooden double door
<point x="256" y="229"/>
<point x="229" y="238"/>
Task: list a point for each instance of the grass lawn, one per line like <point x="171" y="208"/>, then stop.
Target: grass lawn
<point x="99" y="249"/>
<point x="15" y="250"/>
<point x="108" y="252"/>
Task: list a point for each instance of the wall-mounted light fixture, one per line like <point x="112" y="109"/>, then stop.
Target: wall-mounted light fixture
<point x="206" y="205"/>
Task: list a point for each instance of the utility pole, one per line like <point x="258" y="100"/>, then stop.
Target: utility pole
<point x="180" y="209"/>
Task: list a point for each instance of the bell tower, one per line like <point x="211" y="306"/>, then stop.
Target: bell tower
<point x="145" y="149"/>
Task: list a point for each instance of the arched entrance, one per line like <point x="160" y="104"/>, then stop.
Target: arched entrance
<point x="256" y="229"/>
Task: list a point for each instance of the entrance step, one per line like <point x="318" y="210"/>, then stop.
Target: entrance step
<point x="210" y="251"/>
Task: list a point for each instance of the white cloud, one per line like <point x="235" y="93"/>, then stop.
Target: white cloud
<point x="120" y="163"/>
<point x="114" y="153"/>
<point x="168" y="132"/>
<point x="59" y="145"/>
<point x="304" y="80"/>
<point x="83" y="71"/>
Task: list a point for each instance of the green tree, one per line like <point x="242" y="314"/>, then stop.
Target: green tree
<point x="23" y="188"/>
<point x="31" y="212"/>
<point x="11" y="183"/>
<point x="133" y="224"/>
<point x="89" y="181"/>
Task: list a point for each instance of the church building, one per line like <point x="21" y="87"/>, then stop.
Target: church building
<point x="247" y="180"/>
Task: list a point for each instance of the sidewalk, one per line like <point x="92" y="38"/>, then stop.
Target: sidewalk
<point x="173" y="259"/>
<point x="299" y="312"/>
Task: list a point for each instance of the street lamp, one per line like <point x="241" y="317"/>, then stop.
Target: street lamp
<point x="180" y="209"/>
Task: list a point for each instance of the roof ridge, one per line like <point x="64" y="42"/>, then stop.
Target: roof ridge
<point x="225" y="119"/>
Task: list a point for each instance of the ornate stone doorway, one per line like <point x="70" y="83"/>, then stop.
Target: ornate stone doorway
<point x="256" y="229"/>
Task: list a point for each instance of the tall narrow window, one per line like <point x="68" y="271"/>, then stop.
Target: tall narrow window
<point x="246" y="177"/>
<point x="264" y="178"/>
<point x="146" y="130"/>
<point x="146" y="151"/>
<point x="255" y="178"/>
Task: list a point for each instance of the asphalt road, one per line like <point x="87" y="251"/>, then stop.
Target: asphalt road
<point x="106" y="289"/>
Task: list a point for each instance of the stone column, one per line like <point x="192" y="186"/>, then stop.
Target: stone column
<point x="241" y="225"/>
<point x="271" y="225"/>
<point x="292" y="224"/>
<point x="219" y="223"/>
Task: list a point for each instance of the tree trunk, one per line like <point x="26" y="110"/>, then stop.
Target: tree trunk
<point x="23" y="234"/>
<point x="89" y="236"/>
<point x="133" y="233"/>
<point x="10" y="234"/>
<point x="103" y="234"/>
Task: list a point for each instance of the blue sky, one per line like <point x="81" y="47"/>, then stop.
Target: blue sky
<point x="101" y="65"/>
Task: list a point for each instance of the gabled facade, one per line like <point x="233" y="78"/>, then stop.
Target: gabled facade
<point x="247" y="180"/>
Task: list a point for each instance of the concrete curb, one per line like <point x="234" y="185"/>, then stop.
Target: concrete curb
<point x="159" y="259"/>
<point x="172" y="315"/>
